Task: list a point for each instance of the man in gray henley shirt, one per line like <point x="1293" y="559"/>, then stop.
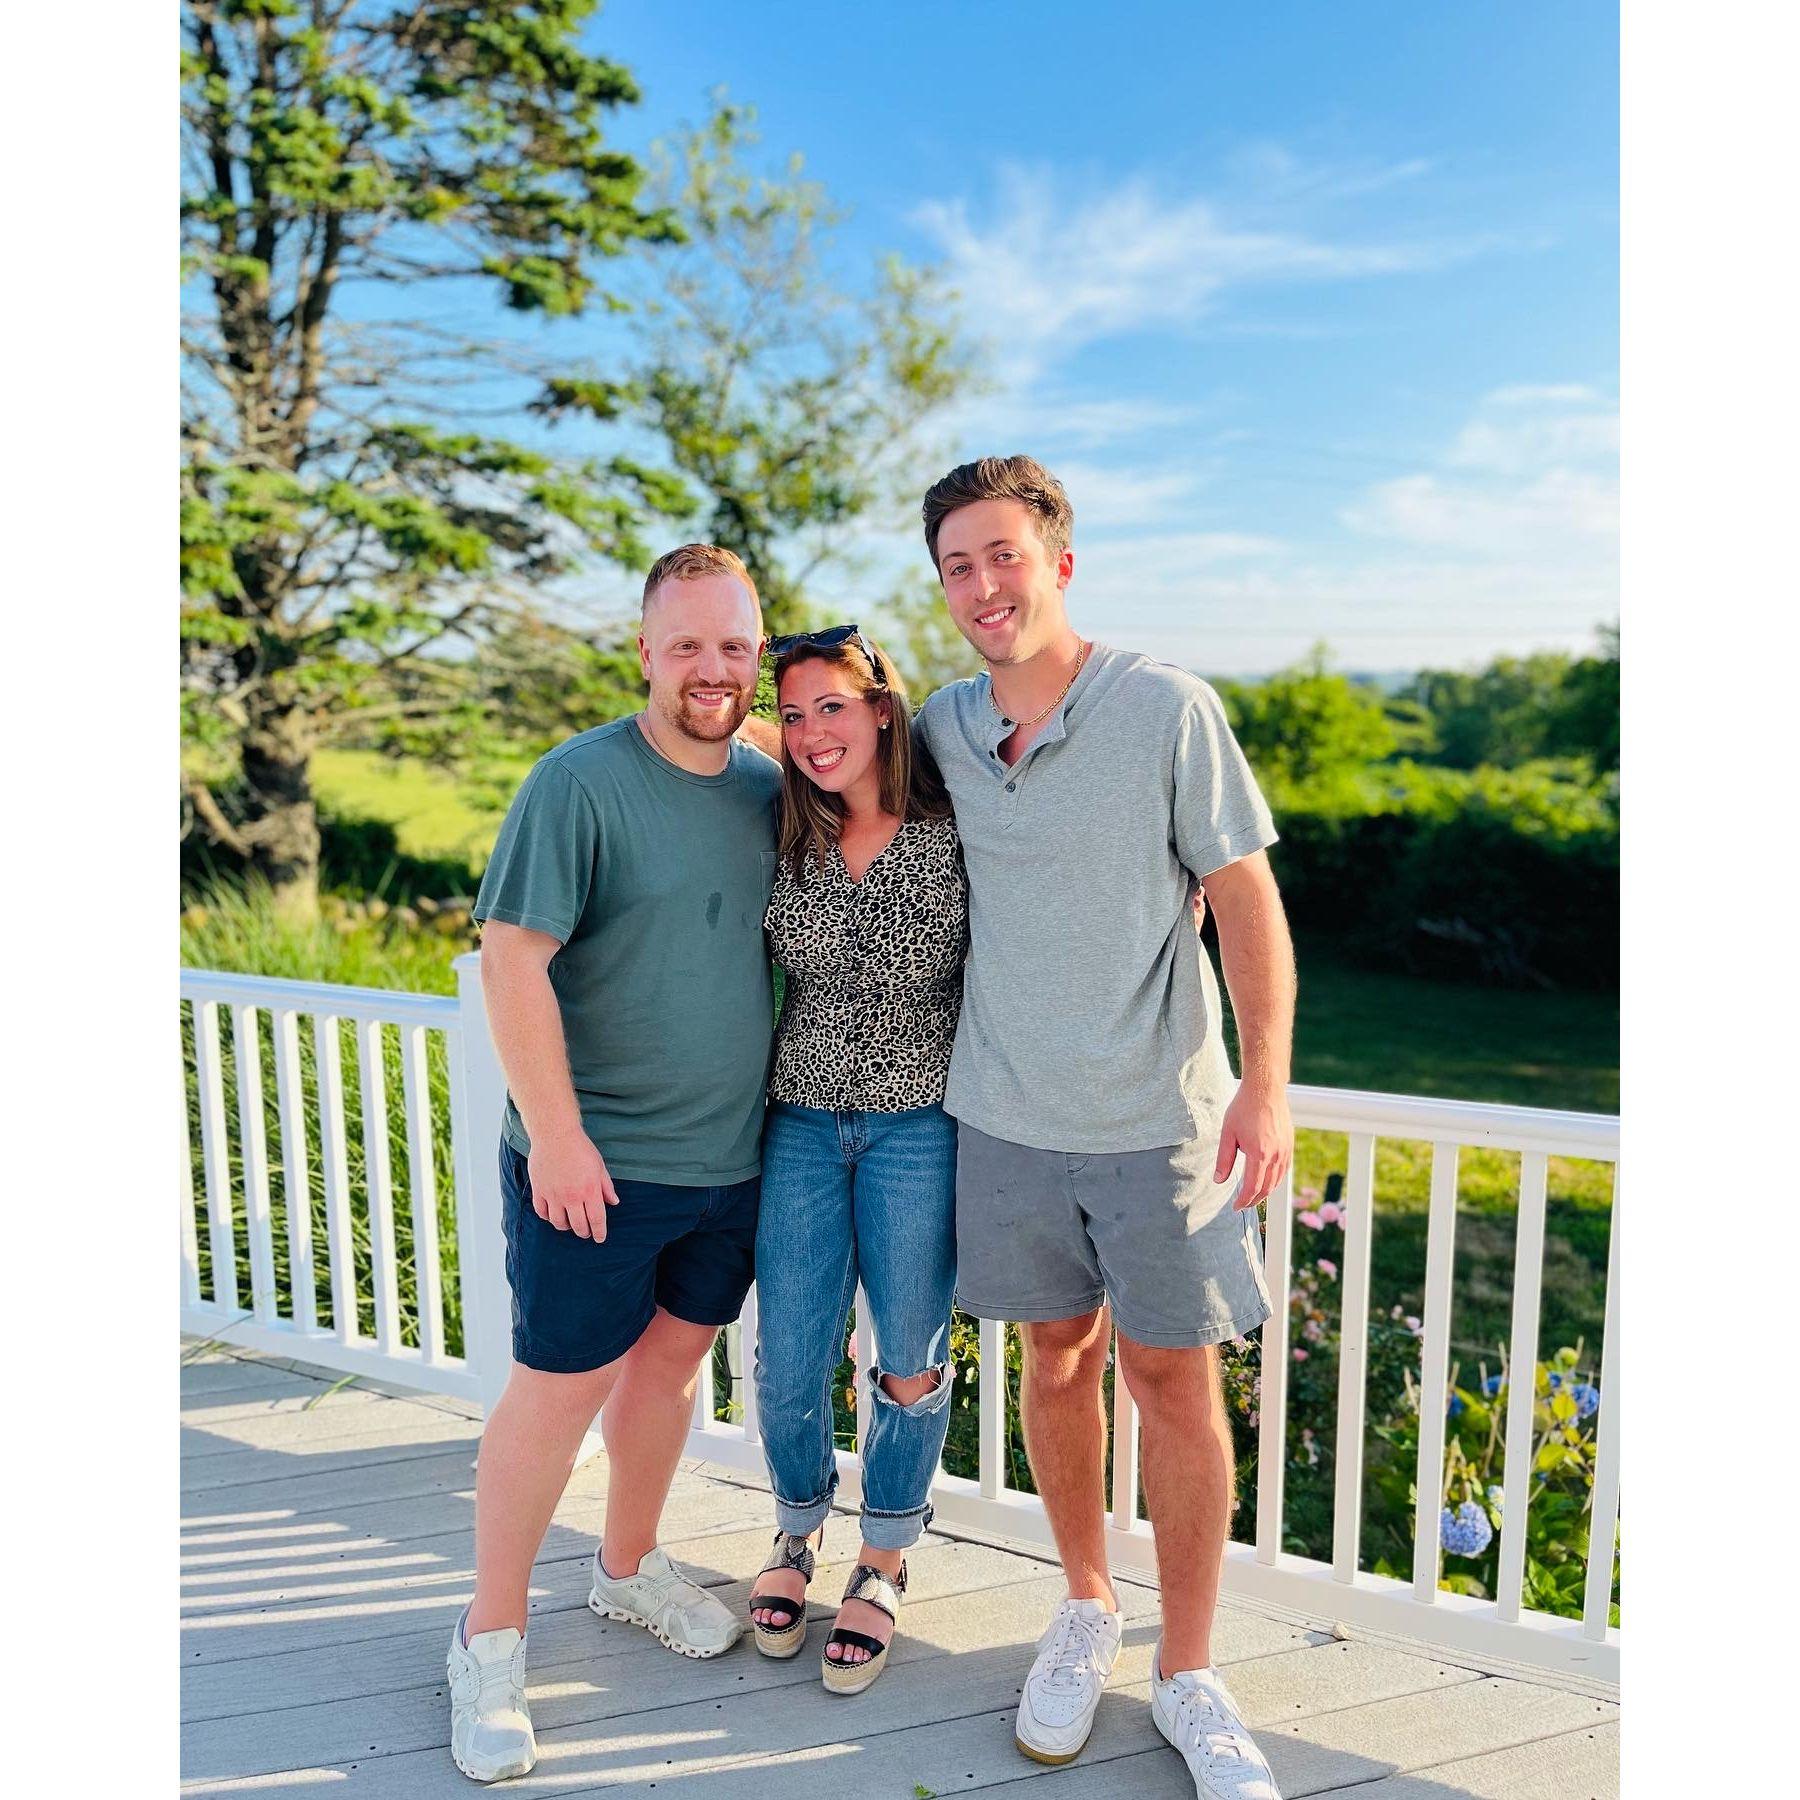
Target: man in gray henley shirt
<point x="1097" y="793"/>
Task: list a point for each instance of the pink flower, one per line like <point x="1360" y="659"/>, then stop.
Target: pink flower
<point x="1312" y="1331"/>
<point x="1328" y="1268"/>
<point x="1255" y="1420"/>
<point x="1309" y="1193"/>
<point x="1412" y="1324"/>
<point x="1331" y="1212"/>
<point x="1299" y="1354"/>
<point x="1311" y="1221"/>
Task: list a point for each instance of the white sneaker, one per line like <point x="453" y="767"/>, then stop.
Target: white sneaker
<point x="490" y="1724"/>
<point x="1196" y="1713"/>
<point x="669" y="1604"/>
<point x="1075" y="1656"/>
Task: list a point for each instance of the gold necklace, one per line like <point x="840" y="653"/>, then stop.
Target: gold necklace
<point x="1038" y="718"/>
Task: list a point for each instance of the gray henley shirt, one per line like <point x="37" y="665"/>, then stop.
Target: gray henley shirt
<point x="1091" y="1018"/>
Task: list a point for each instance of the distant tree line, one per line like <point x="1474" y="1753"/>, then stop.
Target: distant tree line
<point x="1467" y="825"/>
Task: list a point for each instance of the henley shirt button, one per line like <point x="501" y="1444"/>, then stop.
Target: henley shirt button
<point x="1011" y="785"/>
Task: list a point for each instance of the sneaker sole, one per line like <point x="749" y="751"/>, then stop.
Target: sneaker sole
<point x="503" y="1772"/>
<point x="1054" y="1758"/>
<point x="598" y="1606"/>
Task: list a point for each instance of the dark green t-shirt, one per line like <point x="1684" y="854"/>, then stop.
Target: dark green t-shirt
<point x="655" y="881"/>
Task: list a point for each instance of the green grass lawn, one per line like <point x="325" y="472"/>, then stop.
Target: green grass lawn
<point x="1397" y="1034"/>
<point x="434" y="814"/>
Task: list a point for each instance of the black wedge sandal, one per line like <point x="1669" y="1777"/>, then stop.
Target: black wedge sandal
<point x="785" y="1637"/>
<point x="875" y="1589"/>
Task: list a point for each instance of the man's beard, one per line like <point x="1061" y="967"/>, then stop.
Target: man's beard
<point x="708" y="727"/>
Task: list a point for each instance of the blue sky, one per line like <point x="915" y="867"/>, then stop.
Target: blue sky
<point x="1313" y="307"/>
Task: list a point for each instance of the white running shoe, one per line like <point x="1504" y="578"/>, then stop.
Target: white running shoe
<point x="1075" y="1656"/>
<point x="490" y="1724"/>
<point x="669" y="1604"/>
<point x="1194" y="1710"/>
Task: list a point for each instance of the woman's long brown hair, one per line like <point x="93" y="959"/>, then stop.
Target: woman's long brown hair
<point x="911" y="788"/>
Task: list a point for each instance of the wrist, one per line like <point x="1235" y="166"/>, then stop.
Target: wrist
<point x="556" y="1133"/>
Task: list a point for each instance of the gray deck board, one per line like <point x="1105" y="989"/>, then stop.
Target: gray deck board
<point x="327" y="1550"/>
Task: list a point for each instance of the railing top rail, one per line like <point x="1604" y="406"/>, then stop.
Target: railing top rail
<point x="1499" y="1127"/>
<point x="1594" y="1135"/>
<point x="386" y="1005"/>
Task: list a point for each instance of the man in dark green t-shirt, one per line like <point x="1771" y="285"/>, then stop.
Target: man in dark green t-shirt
<point x="629" y="994"/>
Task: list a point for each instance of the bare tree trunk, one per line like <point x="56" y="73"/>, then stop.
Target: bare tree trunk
<point x="282" y="823"/>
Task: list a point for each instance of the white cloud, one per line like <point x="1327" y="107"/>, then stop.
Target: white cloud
<point x="1532" y="479"/>
<point x="1046" y="270"/>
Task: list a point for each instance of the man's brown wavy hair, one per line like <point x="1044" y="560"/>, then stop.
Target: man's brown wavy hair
<point x="911" y="787"/>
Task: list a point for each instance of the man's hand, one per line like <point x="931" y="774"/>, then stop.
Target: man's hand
<point x="570" y="1187"/>
<point x="1258" y="1123"/>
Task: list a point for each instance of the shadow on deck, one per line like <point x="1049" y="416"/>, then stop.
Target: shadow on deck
<point x="326" y="1547"/>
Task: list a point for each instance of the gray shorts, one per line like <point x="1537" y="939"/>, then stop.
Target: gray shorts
<point x="1047" y="1234"/>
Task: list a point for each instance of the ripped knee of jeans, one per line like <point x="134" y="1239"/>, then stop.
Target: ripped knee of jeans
<point x="925" y="1392"/>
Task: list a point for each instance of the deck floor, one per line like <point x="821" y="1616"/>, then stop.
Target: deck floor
<point x="326" y="1547"/>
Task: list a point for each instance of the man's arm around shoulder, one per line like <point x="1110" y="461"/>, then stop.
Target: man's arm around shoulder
<point x="1256" y="955"/>
<point x="569" y="1184"/>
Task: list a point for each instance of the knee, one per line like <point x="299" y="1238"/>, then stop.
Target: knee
<point x="670" y="1353"/>
<point x="925" y="1392"/>
<point x="1163" y="1380"/>
<point x="1066" y="1354"/>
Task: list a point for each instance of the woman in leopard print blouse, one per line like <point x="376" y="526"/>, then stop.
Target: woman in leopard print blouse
<point x="869" y="922"/>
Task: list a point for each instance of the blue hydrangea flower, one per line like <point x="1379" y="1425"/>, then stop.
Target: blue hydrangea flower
<point x="1496" y="1496"/>
<point x="1467" y="1531"/>
<point x="1586" y="1398"/>
<point x="1493" y="1384"/>
<point x="1456" y="1403"/>
<point x="1554" y="1379"/>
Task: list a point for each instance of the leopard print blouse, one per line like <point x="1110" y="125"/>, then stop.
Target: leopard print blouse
<point x="874" y="973"/>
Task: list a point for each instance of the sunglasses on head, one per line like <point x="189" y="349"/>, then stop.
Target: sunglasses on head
<point x="828" y="639"/>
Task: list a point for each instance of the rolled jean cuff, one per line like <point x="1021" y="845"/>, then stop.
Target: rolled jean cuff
<point x="802" y="1518"/>
<point x="894" y="1531"/>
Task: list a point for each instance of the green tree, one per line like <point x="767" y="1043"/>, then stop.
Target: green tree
<point x="1306" y="721"/>
<point x="914" y="627"/>
<point x="788" y="390"/>
<point x="343" y="523"/>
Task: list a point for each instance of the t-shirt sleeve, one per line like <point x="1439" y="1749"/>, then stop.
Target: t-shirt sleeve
<point x="546" y="858"/>
<point x="1220" y="815"/>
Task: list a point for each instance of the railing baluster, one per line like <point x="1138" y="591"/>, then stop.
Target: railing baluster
<point x="296" y="1177"/>
<point x="1124" y="1449"/>
<point x="865" y="1361"/>
<point x="421" y="1173"/>
<point x="215" y="1155"/>
<point x="328" y="1052"/>
<point x="254" y="1146"/>
<point x="190" y="1236"/>
<point x="1353" y="1361"/>
<point x="991" y="1408"/>
<point x="703" y="1393"/>
<point x="1604" y="1521"/>
<point x="1271" y="1400"/>
<point x="1521" y="1380"/>
<point x="378" y="1180"/>
<point x="1434" y="1368"/>
<point x="747" y="1329"/>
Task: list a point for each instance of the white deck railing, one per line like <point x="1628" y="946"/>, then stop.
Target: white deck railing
<point x="281" y="1315"/>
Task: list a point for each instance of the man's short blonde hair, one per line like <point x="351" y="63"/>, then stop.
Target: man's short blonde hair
<point x="1020" y="478"/>
<point x="690" y="562"/>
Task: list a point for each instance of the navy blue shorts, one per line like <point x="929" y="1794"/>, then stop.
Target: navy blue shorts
<point x="578" y="1305"/>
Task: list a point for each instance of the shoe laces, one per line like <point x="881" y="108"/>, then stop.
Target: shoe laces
<point x="1211" y="1725"/>
<point x="1073" y="1651"/>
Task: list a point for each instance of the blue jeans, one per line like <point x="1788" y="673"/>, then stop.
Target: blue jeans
<point x="849" y="1196"/>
